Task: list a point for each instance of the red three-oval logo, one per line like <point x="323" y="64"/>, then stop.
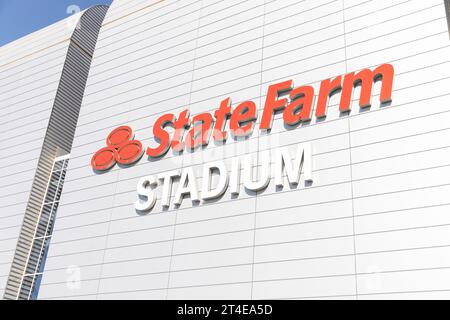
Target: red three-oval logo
<point x="121" y="148"/>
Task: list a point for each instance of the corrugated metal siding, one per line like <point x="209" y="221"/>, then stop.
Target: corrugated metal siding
<point x="28" y="85"/>
<point x="59" y="135"/>
<point x="374" y="224"/>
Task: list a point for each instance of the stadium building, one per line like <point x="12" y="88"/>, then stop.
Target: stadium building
<point x="228" y="149"/>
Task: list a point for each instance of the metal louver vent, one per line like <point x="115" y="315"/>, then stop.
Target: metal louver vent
<point x="447" y="12"/>
<point x="29" y="258"/>
<point x="29" y="288"/>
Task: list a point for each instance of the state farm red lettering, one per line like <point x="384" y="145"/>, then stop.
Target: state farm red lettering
<point x="295" y="103"/>
<point x="189" y="133"/>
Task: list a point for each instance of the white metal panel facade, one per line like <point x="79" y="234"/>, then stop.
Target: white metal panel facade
<point x="30" y="70"/>
<point x="375" y="222"/>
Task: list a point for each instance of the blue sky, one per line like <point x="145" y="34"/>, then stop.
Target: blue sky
<point x="21" y="17"/>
